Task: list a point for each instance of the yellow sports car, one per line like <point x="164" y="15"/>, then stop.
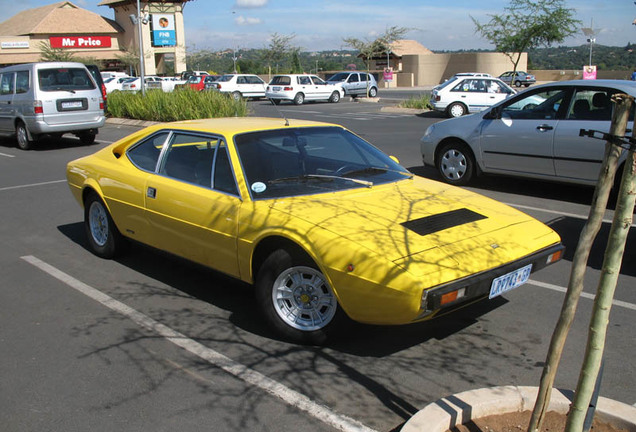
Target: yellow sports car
<point x="322" y="223"/>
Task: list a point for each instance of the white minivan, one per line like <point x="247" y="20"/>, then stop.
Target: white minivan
<point x="38" y="99"/>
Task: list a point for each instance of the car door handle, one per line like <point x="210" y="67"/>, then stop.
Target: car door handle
<point x="544" y="128"/>
<point x="151" y="192"/>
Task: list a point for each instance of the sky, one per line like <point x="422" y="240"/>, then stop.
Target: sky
<point x="321" y="25"/>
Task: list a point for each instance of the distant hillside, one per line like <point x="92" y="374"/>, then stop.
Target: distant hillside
<point x="604" y="57"/>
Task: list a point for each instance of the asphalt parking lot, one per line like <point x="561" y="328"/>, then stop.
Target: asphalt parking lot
<point x="147" y="342"/>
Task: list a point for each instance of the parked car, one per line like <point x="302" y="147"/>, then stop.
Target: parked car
<point x="468" y="94"/>
<point x="300" y="88"/>
<point x="39" y="99"/>
<point x="322" y="223"/>
<point x="134" y="84"/>
<point x="533" y="134"/>
<point x="239" y="85"/>
<point x="114" y="83"/>
<point x="355" y="83"/>
<point x="200" y="82"/>
<point x="518" y="78"/>
<point x="113" y="74"/>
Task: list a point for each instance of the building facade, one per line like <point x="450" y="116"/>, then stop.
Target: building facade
<point x="65" y="26"/>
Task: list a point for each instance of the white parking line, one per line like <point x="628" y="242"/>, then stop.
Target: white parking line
<point x="292" y="397"/>
<point x="574" y="215"/>
<point x="619" y="303"/>
<point x="32" y="185"/>
<point x="6" y="155"/>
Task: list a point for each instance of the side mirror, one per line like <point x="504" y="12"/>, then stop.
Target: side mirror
<point x="493" y="114"/>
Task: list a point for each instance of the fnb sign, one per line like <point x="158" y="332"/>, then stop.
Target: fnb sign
<point x="80" y="41"/>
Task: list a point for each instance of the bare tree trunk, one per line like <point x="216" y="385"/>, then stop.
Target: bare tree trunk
<point x="579" y="264"/>
<point x="607" y="285"/>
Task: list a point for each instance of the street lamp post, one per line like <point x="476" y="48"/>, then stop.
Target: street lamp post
<point x="138" y="20"/>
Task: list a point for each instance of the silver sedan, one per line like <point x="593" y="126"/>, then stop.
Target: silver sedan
<point x="533" y="134"/>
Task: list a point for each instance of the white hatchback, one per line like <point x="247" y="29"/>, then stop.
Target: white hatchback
<point x="301" y="88"/>
<point x="468" y="94"/>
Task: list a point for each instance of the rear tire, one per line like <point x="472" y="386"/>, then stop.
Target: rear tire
<point x="299" y="99"/>
<point x="87" y="138"/>
<point x="296" y="299"/>
<point x="22" y="137"/>
<point x="104" y="239"/>
<point x="237" y="95"/>
<point x="456" y="109"/>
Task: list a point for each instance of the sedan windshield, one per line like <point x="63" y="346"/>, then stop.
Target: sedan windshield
<point x="304" y="161"/>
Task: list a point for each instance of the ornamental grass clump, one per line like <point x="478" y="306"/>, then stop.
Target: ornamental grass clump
<point x="423" y="102"/>
<point x="186" y="104"/>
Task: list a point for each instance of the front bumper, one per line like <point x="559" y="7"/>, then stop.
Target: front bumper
<point x="477" y="287"/>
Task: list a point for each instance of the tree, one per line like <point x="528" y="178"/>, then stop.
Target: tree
<point x="527" y="24"/>
<point x="279" y="47"/>
<point x="375" y="48"/>
<point x="54" y="54"/>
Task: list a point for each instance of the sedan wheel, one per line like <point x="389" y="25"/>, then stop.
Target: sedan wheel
<point x="373" y="92"/>
<point x="295" y="299"/>
<point x="518" y="84"/>
<point x="335" y="97"/>
<point x="236" y="95"/>
<point x="456" y="109"/>
<point x="456" y="164"/>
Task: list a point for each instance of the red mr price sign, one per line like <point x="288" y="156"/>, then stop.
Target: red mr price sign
<point x="80" y="41"/>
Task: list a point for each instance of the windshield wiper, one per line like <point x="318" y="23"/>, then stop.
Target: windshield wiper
<point x="320" y="177"/>
<point x="374" y="170"/>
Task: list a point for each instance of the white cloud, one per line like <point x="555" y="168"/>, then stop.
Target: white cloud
<point x="250" y="4"/>
<point x="241" y="20"/>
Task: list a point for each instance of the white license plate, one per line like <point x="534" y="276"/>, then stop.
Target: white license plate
<point x="276" y="89"/>
<point x="510" y="281"/>
<point x="74" y="104"/>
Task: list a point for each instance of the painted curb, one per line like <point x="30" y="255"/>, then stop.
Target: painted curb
<point x="450" y="411"/>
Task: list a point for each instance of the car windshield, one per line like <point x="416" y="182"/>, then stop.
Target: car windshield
<point x="339" y="77"/>
<point x="69" y="79"/>
<point x="306" y="161"/>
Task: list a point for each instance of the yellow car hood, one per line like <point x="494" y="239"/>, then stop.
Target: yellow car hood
<point x="421" y="225"/>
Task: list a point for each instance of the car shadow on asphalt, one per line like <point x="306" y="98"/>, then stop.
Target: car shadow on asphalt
<point x="238" y="299"/>
<point x="570" y="228"/>
<point x="48" y="144"/>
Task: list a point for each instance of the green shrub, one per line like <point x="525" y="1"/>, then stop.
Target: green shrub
<point x="178" y="105"/>
<point x="423" y="102"/>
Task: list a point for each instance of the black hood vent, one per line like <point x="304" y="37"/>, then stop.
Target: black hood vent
<point x="439" y="222"/>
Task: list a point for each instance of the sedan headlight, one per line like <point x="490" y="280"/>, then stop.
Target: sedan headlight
<point x="429" y="131"/>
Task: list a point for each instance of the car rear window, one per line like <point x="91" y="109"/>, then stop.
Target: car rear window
<point x="281" y="80"/>
<point x="56" y="79"/>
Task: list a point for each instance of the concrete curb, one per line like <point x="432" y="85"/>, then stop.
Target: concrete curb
<point x="450" y="411"/>
<point x="130" y="122"/>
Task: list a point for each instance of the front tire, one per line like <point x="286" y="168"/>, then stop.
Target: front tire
<point x="456" y="109"/>
<point x="335" y="97"/>
<point x="456" y="164"/>
<point x="373" y="92"/>
<point x="295" y="298"/>
<point x="299" y="99"/>
<point x="87" y="138"/>
<point x="104" y="239"/>
<point x="22" y="136"/>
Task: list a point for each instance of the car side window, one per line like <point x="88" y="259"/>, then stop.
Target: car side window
<point x="189" y="158"/>
<point x="6" y="83"/>
<point x="241" y="80"/>
<point x="145" y="154"/>
<point x="542" y="105"/>
<point x="353" y="78"/>
<point x="589" y="104"/>
<point x="22" y="81"/>
<point x="468" y="85"/>
<point x="304" y="80"/>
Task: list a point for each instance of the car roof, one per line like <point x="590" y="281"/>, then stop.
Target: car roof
<point x="623" y="85"/>
<point x="235" y="125"/>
